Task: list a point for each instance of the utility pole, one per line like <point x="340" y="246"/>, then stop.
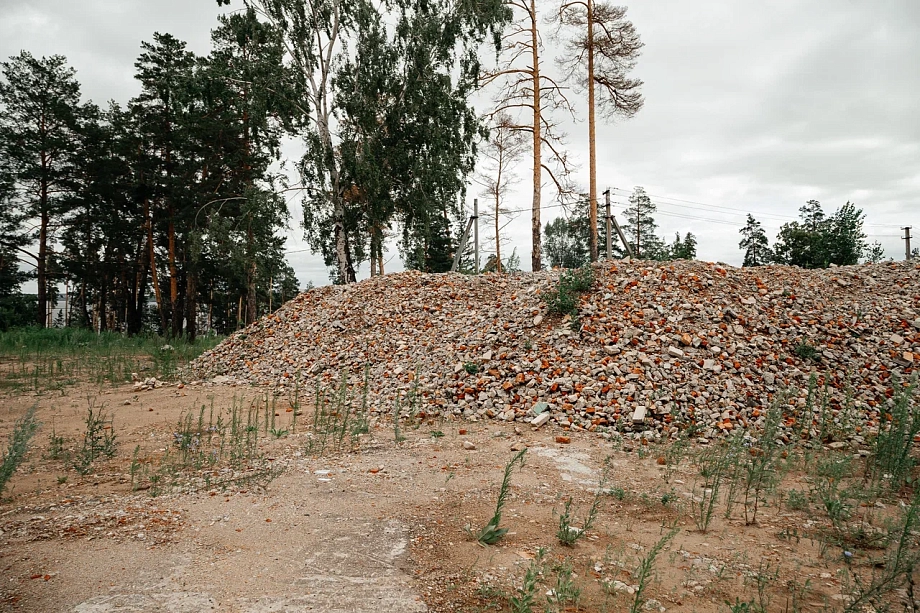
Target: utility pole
<point x="907" y="238"/>
<point x="612" y="221"/>
<point x="609" y="237"/>
<point x="476" y="233"/>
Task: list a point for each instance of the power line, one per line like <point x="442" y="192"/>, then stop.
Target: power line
<point x="717" y="207"/>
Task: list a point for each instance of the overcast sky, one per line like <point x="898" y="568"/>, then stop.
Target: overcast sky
<point x="750" y="107"/>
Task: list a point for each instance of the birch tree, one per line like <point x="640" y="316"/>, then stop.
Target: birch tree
<point x="601" y="48"/>
<point x="359" y="106"/>
<point x="532" y="97"/>
<point x="501" y="153"/>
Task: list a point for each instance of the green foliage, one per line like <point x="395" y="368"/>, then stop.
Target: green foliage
<point x="98" y="439"/>
<point x="395" y="83"/>
<point x="760" y="470"/>
<point x="875" y="253"/>
<point x="40" y="359"/>
<point x="806" y="351"/>
<point x="338" y="420"/>
<point x="716" y="466"/>
<point x="893" y="460"/>
<point x="682" y="249"/>
<point x="569" y="534"/>
<point x="39" y="145"/>
<point x="796" y="500"/>
<point x="818" y="241"/>
<point x="564" y="590"/>
<point x="471" y="367"/>
<point x="640" y="227"/>
<point x="491" y="533"/>
<point x="874" y="586"/>
<point x="525" y="598"/>
<point x="564" y="298"/>
<point x="755" y="244"/>
<point x="645" y="571"/>
<point x="23" y="431"/>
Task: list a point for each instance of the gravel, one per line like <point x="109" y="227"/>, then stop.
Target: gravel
<point x="657" y="346"/>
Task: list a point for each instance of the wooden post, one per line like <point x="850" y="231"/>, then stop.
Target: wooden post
<point x="461" y="245"/>
<point x="476" y="234"/>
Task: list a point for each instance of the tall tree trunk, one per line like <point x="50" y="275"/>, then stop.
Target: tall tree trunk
<point x="153" y="266"/>
<point x="251" y="294"/>
<point x="592" y="156"/>
<point x="174" y="314"/>
<point x="536" y="254"/>
<point x="191" y="305"/>
<point x="103" y="302"/>
<point x="374" y="251"/>
<point x="42" y="264"/>
<point x="83" y="306"/>
<point x="498" y="244"/>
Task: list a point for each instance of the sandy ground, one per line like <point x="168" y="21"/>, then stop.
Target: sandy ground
<point x="380" y="529"/>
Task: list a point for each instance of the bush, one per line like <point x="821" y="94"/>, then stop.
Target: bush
<point x="564" y="299"/>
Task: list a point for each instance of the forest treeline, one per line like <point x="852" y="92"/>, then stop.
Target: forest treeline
<point x="168" y="211"/>
<point x="169" y="199"/>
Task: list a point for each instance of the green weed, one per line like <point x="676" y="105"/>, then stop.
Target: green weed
<point x="646" y="570"/>
<point x="564" y="298"/>
<point x="491" y="533"/>
<point x="23" y="431"/>
<point x="98" y="439"/>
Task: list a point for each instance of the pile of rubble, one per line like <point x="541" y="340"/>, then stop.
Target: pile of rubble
<point x="655" y="345"/>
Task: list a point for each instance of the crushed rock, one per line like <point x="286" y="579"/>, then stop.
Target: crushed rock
<point x="657" y="344"/>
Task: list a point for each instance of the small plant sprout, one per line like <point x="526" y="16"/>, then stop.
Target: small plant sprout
<point x="492" y="533"/>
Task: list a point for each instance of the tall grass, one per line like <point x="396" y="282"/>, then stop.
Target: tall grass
<point x="37" y="359"/>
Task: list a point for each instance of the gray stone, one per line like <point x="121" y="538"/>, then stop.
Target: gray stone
<point x="639" y="414"/>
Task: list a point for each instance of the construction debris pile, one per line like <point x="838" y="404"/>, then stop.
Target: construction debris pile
<point x="655" y="346"/>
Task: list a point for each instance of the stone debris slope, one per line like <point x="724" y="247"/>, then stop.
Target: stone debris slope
<point x="656" y="345"/>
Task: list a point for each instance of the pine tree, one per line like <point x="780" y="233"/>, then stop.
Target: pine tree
<point x="165" y="70"/>
<point x="875" y="253"/>
<point x="525" y="86"/>
<point x="602" y="48"/>
<point x="39" y="102"/>
<point x="755" y="244"/>
<point x="640" y="227"/>
<point x="682" y="249"/>
<point x="565" y="244"/>
<point x="15" y="310"/>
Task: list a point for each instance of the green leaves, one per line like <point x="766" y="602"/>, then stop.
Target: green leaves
<point x="755" y="243"/>
<point x="491" y="533"/>
<point x="818" y="241"/>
